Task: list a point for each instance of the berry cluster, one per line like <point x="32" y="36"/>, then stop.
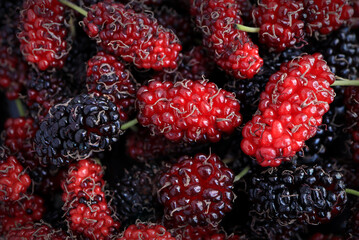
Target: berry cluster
<point x="85" y="204"/>
<point x="157" y="119"/>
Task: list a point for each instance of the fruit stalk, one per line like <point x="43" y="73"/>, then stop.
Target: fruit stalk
<point x="247" y="29"/>
<point x="20" y="108"/>
<point x="345" y="82"/>
<point x="129" y="124"/>
<point x="352" y="192"/>
<point x="74" y="7"/>
<point x="241" y="174"/>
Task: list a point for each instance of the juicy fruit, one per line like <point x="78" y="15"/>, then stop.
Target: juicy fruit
<point x="43" y="33"/>
<point x="106" y="76"/>
<point x="323" y="17"/>
<point x="303" y="194"/>
<point x="280" y="23"/>
<point x="142" y="42"/>
<point x="76" y="128"/>
<point x="231" y="48"/>
<point x="196" y="191"/>
<point x="88" y="212"/>
<point x="290" y="109"/>
<point x="188" y="110"/>
<point x="13" y="180"/>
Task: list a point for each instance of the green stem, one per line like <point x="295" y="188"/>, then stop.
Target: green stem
<point x="20" y="108"/>
<point x="227" y="160"/>
<point x="247" y="29"/>
<point x="241" y="174"/>
<point x="346" y="83"/>
<point x="74" y="7"/>
<point x="129" y="124"/>
<point x="352" y="191"/>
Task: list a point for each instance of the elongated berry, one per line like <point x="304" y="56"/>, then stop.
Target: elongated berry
<point x="290" y="109"/>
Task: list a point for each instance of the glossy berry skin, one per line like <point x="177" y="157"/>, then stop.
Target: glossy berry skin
<point x="88" y="212"/>
<point x="43" y="33"/>
<point x="323" y="17"/>
<point x="18" y="213"/>
<point x="290" y="109"/>
<point x="196" y="191"/>
<point x="188" y="110"/>
<point x="231" y="48"/>
<point x="106" y="76"/>
<point x="135" y="37"/>
<point x="320" y="236"/>
<point x="297" y="194"/>
<point x="280" y="23"/>
<point x="146" y="231"/>
<point x="76" y="128"/>
<point x="36" y="231"/>
<point x="13" y="180"/>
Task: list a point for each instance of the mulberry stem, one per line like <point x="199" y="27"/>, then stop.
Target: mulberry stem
<point x="74" y="7"/>
<point x="129" y="124"/>
<point x="352" y="191"/>
<point x="247" y="29"/>
<point x="345" y="82"/>
<point x="20" y="108"/>
<point x="241" y="174"/>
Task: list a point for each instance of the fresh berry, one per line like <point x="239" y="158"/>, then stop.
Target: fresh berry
<point x="290" y="109"/>
<point x="106" y="76"/>
<point x="87" y="211"/>
<point x="76" y="128"/>
<point x="323" y="17"/>
<point x="299" y="194"/>
<point x="231" y="48"/>
<point x="43" y="33"/>
<point x="133" y="193"/>
<point x="145" y="231"/>
<point x="135" y="37"/>
<point x="13" y="179"/>
<point x="12" y="73"/>
<point x="195" y="65"/>
<point x="32" y="231"/>
<point x="44" y="90"/>
<point x="188" y="110"/>
<point x="18" y="140"/>
<point x="280" y="23"/>
<point x="196" y="191"/>
<point x="18" y="213"/>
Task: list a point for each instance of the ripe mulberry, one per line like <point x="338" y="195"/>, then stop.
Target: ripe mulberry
<point x="135" y="37"/>
<point x="43" y="33"/>
<point x="290" y="109"/>
<point x="76" y="128"/>
<point x="188" y="110"/>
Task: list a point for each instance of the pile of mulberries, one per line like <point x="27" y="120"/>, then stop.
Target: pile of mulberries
<point x="189" y="119"/>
